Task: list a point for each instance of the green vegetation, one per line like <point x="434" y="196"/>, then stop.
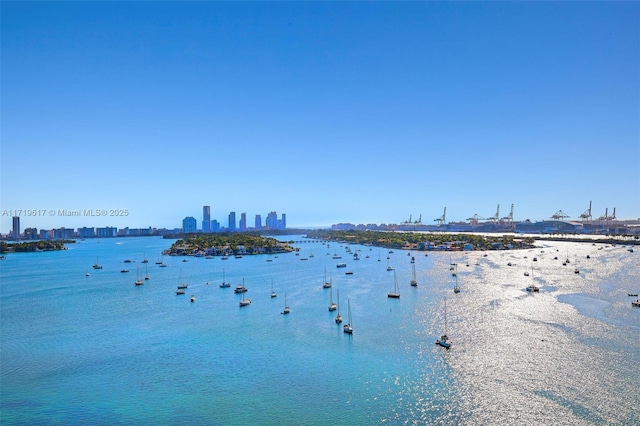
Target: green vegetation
<point x="422" y="241"/>
<point x="31" y="246"/>
<point x="228" y="244"/>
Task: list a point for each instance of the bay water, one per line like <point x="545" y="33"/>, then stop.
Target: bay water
<point x="96" y="349"/>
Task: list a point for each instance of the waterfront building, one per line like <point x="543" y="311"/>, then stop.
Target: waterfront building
<point x="107" y="232"/>
<point x="31" y="234"/>
<point x="232" y="222"/>
<point x="243" y="222"/>
<point x="63" y="234"/>
<point x="15" y="232"/>
<point x="258" y="224"/>
<point x="549" y="227"/>
<point x="46" y="234"/>
<point x="206" y="219"/>
<point x="135" y="232"/>
<point x="189" y="224"/>
<point x="85" y="232"/>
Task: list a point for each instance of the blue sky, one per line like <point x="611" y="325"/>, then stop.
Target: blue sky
<point x="326" y="111"/>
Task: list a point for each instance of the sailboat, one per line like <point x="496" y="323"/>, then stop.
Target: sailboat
<point x="444" y="340"/>
<point x="97" y="265"/>
<point x="348" y="328"/>
<point x="414" y="281"/>
<point x="244" y="301"/>
<point x="456" y="288"/>
<point x="139" y="281"/>
<point x="532" y="287"/>
<point x="146" y="272"/>
<point x="394" y="294"/>
<point x="273" y="293"/>
<point x="144" y="258"/>
<point x="332" y="306"/>
<point x="338" y="317"/>
<point x="224" y="283"/>
<point x="327" y="284"/>
<point x="286" y="310"/>
<point x="240" y="288"/>
<point x="389" y="268"/>
<point x="181" y="286"/>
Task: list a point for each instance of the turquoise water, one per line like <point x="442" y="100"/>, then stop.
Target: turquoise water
<point x="96" y="349"/>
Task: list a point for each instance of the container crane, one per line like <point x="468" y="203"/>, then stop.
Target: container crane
<point x="508" y="218"/>
<point x="587" y="214"/>
<point x="559" y="215"/>
<point x="442" y="219"/>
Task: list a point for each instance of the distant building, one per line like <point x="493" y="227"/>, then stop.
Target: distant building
<point x="85" y="232"/>
<point x="215" y="226"/>
<point x="243" y="222"/>
<point x="189" y="224"/>
<point x="31" y="233"/>
<point x="63" y="234"/>
<point x="258" y="224"/>
<point x="107" y="232"/>
<point x="549" y="227"/>
<point x="272" y="220"/>
<point x="135" y="232"/>
<point x="15" y="232"/>
<point x="232" y="222"/>
<point x="206" y="219"/>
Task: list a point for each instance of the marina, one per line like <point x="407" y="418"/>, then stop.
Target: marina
<point x="101" y="345"/>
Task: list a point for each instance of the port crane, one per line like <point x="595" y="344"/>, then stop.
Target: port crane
<point x="475" y="219"/>
<point x="507" y="218"/>
<point x="442" y="219"/>
<point x="560" y="215"/>
<point x="414" y="222"/>
<point x="496" y="216"/>
<point x="587" y="214"/>
<point x="606" y="215"/>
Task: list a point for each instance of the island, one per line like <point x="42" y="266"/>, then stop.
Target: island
<point x="226" y="244"/>
<point x="34" y="246"/>
<point x="424" y="241"/>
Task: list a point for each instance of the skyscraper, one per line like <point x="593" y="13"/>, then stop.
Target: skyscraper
<point x="189" y="224"/>
<point x="206" y="219"/>
<point x="232" y="221"/>
<point x="258" y="221"/>
<point x="243" y="222"/>
<point x="15" y="232"/>
<point x="272" y="220"/>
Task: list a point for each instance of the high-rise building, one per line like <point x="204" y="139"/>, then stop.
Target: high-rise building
<point x="85" y="232"/>
<point x="272" y="220"/>
<point x="15" y="232"/>
<point x="189" y="224"/>
<point x="232" y="222"/>
<point x="215" y="226"/>
<point x="283" y="223"/>
<point x="258" y="221"/>
<point x="206" y="219"/>
<point x="31" y="233"/>
<point x="243" y="222"/>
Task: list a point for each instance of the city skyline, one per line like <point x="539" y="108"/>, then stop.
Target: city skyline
<point x="331" y="112"/>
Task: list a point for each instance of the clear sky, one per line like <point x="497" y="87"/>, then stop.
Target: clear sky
<point x="362" y="112"/>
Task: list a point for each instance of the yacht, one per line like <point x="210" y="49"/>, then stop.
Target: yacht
<point x="444" y="340"/>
